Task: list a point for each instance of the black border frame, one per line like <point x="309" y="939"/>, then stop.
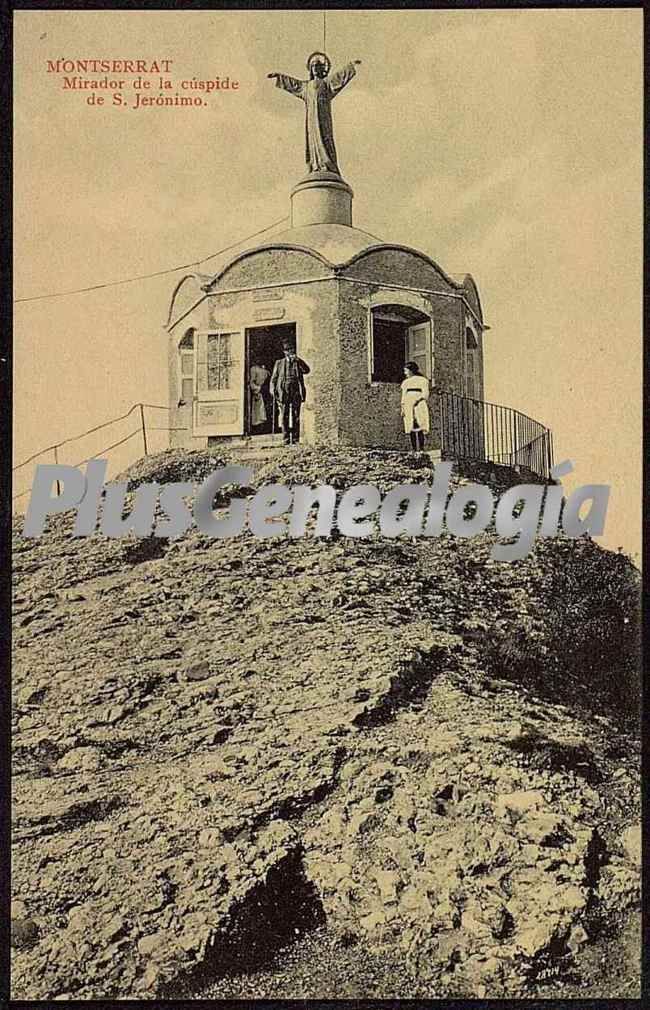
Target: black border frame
<point x="6" y="381"/>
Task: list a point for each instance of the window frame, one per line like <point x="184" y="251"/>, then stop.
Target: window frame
<point x="429" y="352"/>
<point x="231" y="397"/>
<point x="471" y="354"/>
<point x="183" y="354"/>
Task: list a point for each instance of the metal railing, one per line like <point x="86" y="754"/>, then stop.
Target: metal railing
<point x="469" y="429"/>
<point x="52" y="454"/>
<point x="475" y="429"/>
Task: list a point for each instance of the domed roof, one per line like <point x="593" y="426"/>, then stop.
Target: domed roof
<point x="336" y="243"/>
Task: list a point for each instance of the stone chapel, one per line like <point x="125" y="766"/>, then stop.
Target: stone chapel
<point x="356" y="309"/>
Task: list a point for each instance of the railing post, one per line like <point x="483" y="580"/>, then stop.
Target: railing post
<point x="144" y="429"/>
<point x="56" y="460"/>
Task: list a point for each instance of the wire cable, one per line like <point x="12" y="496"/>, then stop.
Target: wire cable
<point x="138" y="431"/>
<point x="158" y="273"/>
<point x="91" y="431"/>
<point x="75" y="438"/>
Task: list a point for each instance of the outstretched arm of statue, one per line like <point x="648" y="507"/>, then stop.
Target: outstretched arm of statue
<point x="290" y="84"/>
<point x="340" y="78"/>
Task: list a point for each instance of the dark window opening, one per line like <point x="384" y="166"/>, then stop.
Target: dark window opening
<point x="389" y="339"/>
<point x="471" y="349"/>
<point x="399" y="334"/>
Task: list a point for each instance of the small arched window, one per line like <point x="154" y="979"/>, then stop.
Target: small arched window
<point x="471" y="363"/>
<point x="186" y="367"/>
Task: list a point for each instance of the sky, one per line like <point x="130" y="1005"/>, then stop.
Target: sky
<point x="506" y="144"/>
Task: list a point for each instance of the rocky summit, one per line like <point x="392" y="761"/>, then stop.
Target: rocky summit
<point x="406" y="751"/>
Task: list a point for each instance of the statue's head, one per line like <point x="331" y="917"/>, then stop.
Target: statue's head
<point x="318" y="65"/>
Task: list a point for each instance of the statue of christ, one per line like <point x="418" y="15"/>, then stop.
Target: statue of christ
<point x="317" y="94"/>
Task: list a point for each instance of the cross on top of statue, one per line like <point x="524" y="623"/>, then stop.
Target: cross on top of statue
<point x="317" y="94"/>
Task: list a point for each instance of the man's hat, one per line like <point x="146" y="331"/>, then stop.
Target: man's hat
<point x="287" y="345"/>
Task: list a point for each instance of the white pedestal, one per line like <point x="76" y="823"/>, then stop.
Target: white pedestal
<point x="321" y="198"/>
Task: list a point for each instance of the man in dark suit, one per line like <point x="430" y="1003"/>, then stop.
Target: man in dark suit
<point x="288" y="389"/>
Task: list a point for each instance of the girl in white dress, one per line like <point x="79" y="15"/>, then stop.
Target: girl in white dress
<point x="415" y="405"/>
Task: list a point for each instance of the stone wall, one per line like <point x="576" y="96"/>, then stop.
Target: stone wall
<point x="370" y="411"/>
<point x="271" y="266"/>
<point x="332" y="319"/>
<point x="471" y="292"/>
<point x="399" y="266"/>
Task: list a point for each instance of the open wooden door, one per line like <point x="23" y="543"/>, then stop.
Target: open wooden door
<point x="219" y="362"/>
<point x="418" y="348"/>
